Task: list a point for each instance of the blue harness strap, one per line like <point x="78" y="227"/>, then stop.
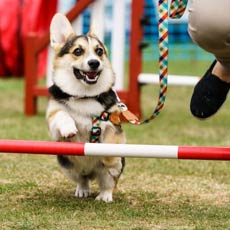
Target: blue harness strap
<point x="96" y="126"/>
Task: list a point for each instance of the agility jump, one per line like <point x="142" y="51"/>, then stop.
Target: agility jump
<point x="89" y="149"/>
<point x="121" y="150"/>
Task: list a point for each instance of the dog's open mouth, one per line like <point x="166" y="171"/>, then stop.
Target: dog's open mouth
<point x="89" y="77"/>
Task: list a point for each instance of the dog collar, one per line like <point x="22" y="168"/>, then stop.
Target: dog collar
<point x="57" y="93"/>
<point x="106" y="99"/>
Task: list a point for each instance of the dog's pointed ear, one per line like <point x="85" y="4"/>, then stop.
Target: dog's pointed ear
<point x="60" y="30"/>
<point x="93" y="34"/>
<point x="91" y="30"/>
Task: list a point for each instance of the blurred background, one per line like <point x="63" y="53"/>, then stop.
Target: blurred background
<point x="21" y="17"/>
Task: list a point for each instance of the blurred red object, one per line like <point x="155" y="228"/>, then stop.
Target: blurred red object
<point x="18" y="18"/>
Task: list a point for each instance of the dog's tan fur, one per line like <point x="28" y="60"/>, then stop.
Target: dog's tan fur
<point x="72" y="105"/>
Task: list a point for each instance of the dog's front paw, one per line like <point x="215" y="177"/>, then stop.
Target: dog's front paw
<point x="82" y="192"/>
<point x="106" y="196"/>
<point x="68" y="131"/>
<point x="62" y="126"/>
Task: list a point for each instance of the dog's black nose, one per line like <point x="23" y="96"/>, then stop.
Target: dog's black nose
<point x="93" y="64"/>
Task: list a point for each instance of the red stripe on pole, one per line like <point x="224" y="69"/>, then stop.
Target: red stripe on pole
<point x="42" y="147"/>
<point x="203" y="153"/>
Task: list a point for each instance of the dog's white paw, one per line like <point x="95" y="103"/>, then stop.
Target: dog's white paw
<point x="62" y="126"/>
<point x="82" y="192"/>
<point x="106" y="196"/>
<point x="68" y="130"/>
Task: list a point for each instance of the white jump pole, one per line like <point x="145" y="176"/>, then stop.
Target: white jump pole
<point x="121" y="150"/>
<point x="182" y="80"/>
<point x="118" y="42"/>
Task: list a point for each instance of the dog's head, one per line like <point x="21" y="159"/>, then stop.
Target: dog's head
<point x="81" y="65"/>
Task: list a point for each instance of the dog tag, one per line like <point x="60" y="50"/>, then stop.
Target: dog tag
<point x="130" y="117"/>
<point x="115" y="118"/>
<point x="127" y="115"/>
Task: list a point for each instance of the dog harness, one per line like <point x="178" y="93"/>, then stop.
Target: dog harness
<point x="106" y="99"/>
<point x="114" y="118"/>
<point x="96" y="126"/>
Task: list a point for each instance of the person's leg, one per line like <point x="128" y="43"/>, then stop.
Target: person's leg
<point x="209" y="27"/>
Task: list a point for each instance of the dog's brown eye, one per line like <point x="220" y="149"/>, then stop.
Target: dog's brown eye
<point x="78" y="51"/>
<point x="99" y="51"/>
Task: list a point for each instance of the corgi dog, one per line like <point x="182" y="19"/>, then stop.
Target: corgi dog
<point x="83" y="107"/>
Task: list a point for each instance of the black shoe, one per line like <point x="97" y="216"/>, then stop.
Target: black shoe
<point x="208" y="95"/>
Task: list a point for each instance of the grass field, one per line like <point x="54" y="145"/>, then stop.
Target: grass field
<point x="152" y="194"/>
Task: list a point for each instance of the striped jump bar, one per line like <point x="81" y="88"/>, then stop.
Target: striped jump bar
<point x="124" y="150"/>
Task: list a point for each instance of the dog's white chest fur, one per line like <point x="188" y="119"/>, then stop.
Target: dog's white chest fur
<point x="84" y="107"/>
<point x="82" y="111"/>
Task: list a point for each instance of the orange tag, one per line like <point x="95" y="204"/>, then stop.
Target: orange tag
<point x="115" y="118"/>
<point x="130" y="117"/>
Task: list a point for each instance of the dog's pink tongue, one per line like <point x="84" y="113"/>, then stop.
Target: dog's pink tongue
<point x="91" y="74"/>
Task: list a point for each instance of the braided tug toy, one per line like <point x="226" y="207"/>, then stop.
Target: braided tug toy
<point x="177" y="8"/>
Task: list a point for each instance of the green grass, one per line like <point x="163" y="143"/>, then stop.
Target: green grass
<point x="152" y="193"/>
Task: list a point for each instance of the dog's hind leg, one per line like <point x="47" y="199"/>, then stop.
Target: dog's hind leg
<point x="106" y="185"/>
<point x="108" y="177"/>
